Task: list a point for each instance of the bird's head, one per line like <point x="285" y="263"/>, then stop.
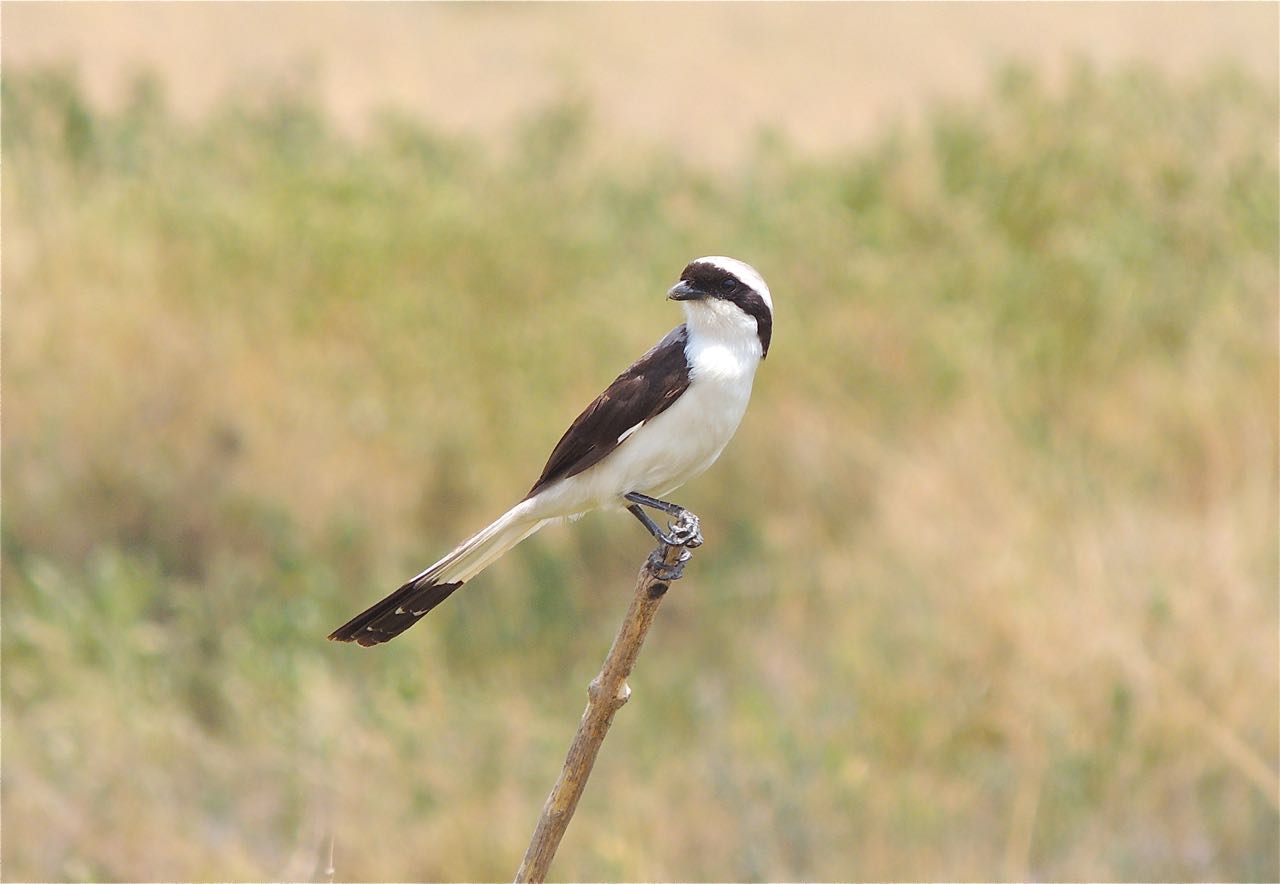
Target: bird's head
<point x="724" y="295"/>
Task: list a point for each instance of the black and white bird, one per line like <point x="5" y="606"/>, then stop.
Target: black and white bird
<point x="662" y="422"/>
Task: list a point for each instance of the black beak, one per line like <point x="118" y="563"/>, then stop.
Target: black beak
<point x="685" y="291"/>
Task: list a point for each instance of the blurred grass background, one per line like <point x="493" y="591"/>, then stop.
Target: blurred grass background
<point x="990" y="582"/>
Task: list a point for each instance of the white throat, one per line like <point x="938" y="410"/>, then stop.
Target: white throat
<point x="714" y="322"/>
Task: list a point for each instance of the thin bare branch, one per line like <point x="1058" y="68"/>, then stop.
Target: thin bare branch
<point x="605" y="696"/>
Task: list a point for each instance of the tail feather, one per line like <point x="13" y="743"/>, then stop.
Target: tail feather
<point x="407" y="605"/>
<point x="394" y="614"/>
<point x="475" y="564"/>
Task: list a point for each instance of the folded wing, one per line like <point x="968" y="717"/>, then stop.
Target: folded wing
<point x="643" y="391"/>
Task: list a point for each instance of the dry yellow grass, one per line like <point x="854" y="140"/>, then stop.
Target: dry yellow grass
<point x="828" y="75"/>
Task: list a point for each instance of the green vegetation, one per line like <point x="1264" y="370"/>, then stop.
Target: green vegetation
<point x="989" y="588"/>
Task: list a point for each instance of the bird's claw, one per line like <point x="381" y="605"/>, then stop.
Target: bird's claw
<point x="685" y="531"/>
<point x="668" y="572"/>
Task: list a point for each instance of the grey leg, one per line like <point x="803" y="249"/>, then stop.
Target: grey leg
<point x="671" y="509"/>
<point x="650" y="524"/>
<point x="684" y="531"/>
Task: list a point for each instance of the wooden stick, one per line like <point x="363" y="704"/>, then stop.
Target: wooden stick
<point x="605" y="696"/>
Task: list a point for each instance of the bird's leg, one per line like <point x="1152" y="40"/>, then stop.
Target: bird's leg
<point x="650" y="524"/>
<point x="673" y="509"/>
<point x="657" y="565"/>
<point x="684" y="531"/>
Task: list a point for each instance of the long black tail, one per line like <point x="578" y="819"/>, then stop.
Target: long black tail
<point x="405" y="607"/>
<point x="394" y="614"/>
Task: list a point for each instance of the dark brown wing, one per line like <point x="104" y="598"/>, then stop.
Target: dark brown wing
<point x="643" y="391"/>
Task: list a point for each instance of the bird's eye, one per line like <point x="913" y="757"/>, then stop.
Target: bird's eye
<point x="728" y="284"/>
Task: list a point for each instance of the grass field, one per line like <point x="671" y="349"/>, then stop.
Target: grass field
<point x="990" y="582"/>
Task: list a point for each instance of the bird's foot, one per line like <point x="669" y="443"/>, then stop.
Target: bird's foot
<point x="685" y="531"/>
<point x="668" y="572"/>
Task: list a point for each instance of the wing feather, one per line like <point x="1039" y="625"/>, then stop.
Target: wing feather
<point x="643" y="391"/>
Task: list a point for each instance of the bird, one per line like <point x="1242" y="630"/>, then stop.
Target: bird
<point x="661" y="422"/>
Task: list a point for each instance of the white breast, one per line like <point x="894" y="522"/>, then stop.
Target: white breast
<point x="668" y="450"/>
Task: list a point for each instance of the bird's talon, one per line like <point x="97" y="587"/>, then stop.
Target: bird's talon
<point x="667" y="573"/>
<point x="686" y="531"/>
